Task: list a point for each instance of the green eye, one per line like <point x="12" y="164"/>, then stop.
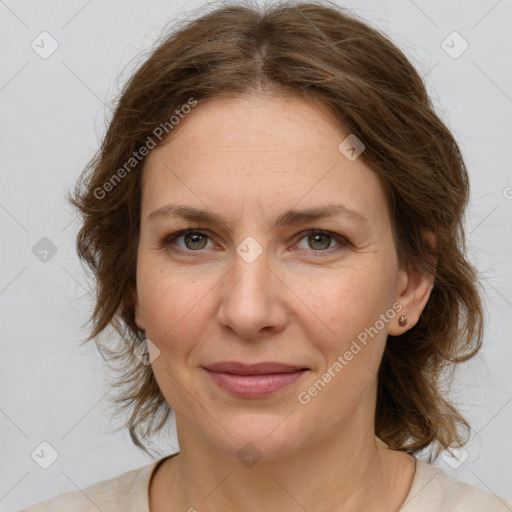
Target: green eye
<point x="187" y="240"/>
<point x="320" y="241"/>
<point x="195" y="241"/>
<point x="314" y="241"/>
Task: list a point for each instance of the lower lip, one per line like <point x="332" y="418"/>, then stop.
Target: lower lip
<point x="254" y="386"/>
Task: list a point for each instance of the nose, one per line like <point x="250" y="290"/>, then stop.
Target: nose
<point x="252" y="299"/>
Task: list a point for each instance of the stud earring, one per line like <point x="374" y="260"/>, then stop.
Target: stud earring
<point x="402" y="321"/>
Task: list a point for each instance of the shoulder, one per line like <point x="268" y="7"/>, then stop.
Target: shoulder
<point x="433" y="490"/>
<point x="120" y="494"/>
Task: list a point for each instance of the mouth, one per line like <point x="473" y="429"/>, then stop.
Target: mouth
<point x="253" y="380"/>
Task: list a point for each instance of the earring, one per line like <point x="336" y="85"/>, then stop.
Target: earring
<point x="402" y="321"/>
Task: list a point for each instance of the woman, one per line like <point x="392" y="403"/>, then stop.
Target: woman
<point x="274" y="222"/>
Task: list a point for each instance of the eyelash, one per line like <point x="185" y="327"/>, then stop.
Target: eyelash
<point x="342" y="241"/>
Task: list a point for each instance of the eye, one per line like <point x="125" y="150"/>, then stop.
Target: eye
<point x="188" y="240"/>
<point x="320" y="241"/>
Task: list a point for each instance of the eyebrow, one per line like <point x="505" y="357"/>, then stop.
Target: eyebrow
<point x="289" y="217"/>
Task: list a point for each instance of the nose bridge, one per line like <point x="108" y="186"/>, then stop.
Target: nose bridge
<point x="250" y="301"/>
<point x="250" y="275"/>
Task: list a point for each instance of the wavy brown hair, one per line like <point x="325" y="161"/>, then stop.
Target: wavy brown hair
<point x="319" y="51"/>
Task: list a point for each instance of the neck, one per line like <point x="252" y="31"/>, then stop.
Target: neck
<point x="347" y="473"/>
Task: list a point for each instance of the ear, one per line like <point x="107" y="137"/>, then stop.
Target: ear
<point x="132" y="301"/>
<point x="413" y="291"/>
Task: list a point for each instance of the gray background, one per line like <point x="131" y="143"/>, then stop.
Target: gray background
<point x="53" y="116"/>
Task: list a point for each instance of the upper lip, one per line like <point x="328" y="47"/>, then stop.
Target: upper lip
<point x="239" y="368"/>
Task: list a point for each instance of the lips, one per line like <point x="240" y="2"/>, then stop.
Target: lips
<point x="264" y="368"/>
<point x="253" y="380"/>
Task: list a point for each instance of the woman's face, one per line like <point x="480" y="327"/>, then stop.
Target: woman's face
<point x="291" y="260"/>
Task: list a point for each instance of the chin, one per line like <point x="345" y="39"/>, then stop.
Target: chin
<point x="258" y="436"/>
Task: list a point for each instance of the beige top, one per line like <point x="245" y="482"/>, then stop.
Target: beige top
<point x="432" y="490"/>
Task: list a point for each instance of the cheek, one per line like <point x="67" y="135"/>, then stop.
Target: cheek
<point x="349" y="331"/>
<point x="175" y="307"/>
<point x="167" y="296"/>
<point x="348" y="300"/>
<point x="350" y="338"/>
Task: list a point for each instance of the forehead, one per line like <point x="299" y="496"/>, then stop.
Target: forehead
<point x="258" y="152"/>
<point x="253" y="123"/>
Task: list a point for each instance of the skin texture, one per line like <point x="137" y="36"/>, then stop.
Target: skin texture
<point x="302" y="301"/>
